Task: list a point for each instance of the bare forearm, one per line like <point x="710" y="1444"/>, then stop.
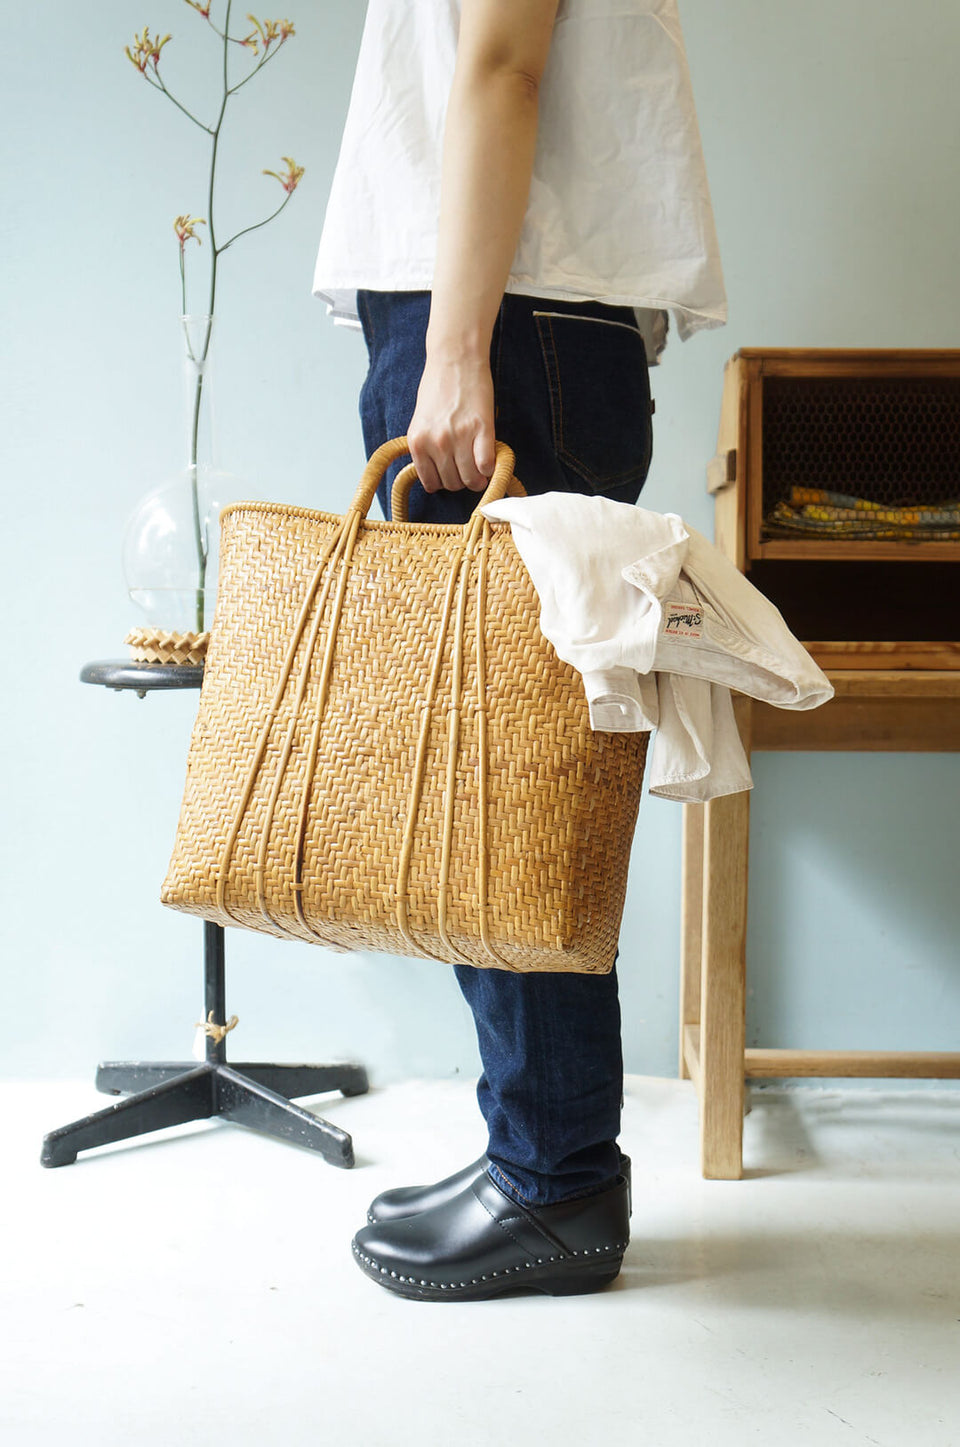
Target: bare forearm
<point x="489" y="142"/>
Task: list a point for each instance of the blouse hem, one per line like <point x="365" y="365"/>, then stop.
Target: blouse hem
<point x="689" y="319"/>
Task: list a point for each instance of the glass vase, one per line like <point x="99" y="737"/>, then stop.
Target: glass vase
<point x="170" y="544"/>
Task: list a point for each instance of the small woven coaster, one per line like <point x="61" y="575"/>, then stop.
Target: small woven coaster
<point x="154" y="645"/>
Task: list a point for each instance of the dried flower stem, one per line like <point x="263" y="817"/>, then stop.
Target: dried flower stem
<point x="146" y="57"/>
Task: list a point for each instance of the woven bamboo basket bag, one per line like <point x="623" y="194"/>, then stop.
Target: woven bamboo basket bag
<point x="388" y="754"/>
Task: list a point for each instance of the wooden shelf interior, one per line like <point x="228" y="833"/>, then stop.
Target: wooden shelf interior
<point x="871" y="601"/>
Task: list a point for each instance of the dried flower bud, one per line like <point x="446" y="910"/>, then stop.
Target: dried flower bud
<point x="183" y="226"/>
<point x="268" y="32"/>
<point x="291" y="177"/>
<point x="146" y="50"/>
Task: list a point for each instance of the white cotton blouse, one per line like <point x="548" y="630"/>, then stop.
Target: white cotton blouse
<point x="619" y="208"/>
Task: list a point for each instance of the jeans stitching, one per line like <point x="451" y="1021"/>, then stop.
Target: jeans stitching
<point x="549" y="367"/>
<point x="576" y="1196"/>
<point x="621" y="479"/>
<point x="510" y="1185"/>
<point x="639" y="471"/>
<point x="553" y="346"/>
<point x="582" y="317"/>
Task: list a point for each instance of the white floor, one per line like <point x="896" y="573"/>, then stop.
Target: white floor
<point x="197" y="1286"/>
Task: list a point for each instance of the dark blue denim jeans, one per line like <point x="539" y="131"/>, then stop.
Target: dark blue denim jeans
<point x="572" y="399"/>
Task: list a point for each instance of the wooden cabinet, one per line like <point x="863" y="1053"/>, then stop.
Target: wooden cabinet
<point x="882" y="617"/>
<point x="837" y="491"/>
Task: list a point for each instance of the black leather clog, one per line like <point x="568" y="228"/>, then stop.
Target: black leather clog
<point x="408" y="1200"/>
<point x="481" y="1244"/>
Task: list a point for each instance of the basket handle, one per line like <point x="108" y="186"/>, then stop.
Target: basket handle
<point x="502" y="481"/>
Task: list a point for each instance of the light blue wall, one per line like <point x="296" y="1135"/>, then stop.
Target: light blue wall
<point x="830" y="129"/>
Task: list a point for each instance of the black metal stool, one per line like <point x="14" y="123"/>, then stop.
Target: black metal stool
<point x="172" y="1092"/>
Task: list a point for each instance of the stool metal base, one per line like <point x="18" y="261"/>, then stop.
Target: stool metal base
<point x="176" y="1092"/>
<point x="172" y="1092"/>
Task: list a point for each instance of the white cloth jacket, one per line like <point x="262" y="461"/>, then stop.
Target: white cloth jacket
<point x="661" y="626"/>
<point x="619" y="208"/>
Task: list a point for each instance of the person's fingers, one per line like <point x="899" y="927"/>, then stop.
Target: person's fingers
<point x="426" y="471"/>
<point x="447" y="465"/>
<point x="485" y="456"/>
<point x="471" y="475"/>
<point x="454" y="460"/>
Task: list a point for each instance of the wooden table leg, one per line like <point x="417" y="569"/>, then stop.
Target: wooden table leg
<point x="723" y="986"/>
<point x="691" y="935"/>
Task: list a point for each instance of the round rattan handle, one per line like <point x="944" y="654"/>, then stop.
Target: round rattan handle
<point x="502" y="481"/>
<point x="402" y="483"/>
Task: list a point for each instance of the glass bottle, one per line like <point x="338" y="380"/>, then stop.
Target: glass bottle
<point x="171" y="540"/>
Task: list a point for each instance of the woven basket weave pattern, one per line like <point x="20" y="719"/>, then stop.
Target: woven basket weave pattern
<point x="317" y="850"/>
<point x="156" y="645"/>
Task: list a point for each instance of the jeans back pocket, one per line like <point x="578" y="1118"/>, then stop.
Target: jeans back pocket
<point x="599" y="385"/>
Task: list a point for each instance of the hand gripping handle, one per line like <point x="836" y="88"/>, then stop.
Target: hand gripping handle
<point x="502" y="481"/>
